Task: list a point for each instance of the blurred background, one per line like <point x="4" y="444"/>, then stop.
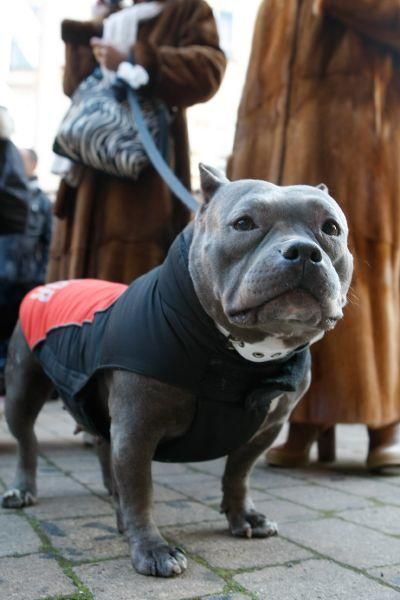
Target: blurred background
<point x="31" y="63"/>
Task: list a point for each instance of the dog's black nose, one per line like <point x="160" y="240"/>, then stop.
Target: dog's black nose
<point x="300" y="251"/>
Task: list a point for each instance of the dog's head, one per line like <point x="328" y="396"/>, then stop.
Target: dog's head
<point x="267" y="260"/>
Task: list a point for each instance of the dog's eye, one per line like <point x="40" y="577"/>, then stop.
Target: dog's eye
<point x="244" y="224"/>
<point x="330" y="227"/>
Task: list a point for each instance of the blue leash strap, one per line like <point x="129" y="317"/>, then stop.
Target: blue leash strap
<point x="155" y="157"/>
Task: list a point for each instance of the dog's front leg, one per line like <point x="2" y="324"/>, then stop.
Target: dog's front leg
<point x="243" y="519"/>
<point x="137" y="426"/>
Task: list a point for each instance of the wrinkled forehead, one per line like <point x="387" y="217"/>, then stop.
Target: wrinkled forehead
<point x="247" y="194"/>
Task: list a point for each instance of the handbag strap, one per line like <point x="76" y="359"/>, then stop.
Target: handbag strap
<point x="155" y="157"/>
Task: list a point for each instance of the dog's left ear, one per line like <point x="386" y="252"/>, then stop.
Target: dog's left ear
<point x="211" y="180"/>
<point x="323" y="187"/>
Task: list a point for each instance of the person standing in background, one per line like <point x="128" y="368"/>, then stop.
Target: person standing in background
<point x="112" y="228"/>
<point x="321" y="103"/>
<point x="23" y="256"/>
<point x="13" y="183"/>
<point x="40" y="225"/>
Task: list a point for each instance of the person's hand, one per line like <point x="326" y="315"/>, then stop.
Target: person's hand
<point x="106" y="54"/>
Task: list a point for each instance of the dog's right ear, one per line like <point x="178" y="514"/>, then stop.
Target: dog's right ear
<point x="210" y="180"/>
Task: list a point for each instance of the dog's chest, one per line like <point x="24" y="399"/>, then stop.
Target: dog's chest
<point x="233" y="400"/>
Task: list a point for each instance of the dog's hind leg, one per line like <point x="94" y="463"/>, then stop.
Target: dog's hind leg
<point x="103" y="451"/>
<point x="117" y="507"/>
<point x="27" y="389"/>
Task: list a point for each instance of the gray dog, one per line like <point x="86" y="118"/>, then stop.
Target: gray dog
<point x="204" y="356"/>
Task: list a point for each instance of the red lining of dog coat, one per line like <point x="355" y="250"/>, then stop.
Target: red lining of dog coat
<point x="63" y="303"/>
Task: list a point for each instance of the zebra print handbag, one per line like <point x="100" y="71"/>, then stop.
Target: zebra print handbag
<point x="99" y="130"/>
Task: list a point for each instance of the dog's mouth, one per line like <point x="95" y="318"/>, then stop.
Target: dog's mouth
<point x="296" y="306"/>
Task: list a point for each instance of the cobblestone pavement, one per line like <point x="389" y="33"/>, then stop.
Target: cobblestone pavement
<point x="339" y="529"/>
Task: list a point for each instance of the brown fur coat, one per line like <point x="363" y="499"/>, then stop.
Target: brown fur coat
<point x="116" y="229"/>
<point x="322" y="104"/>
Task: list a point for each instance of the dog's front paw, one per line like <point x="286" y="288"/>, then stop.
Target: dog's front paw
<point x="250" y="523"/>
<point x="159" y="560"/>
<point x="15" y="498"/>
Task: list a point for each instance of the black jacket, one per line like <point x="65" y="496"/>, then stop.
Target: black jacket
<point x="24" y="256"/>
<point x="13" y="190"/>
<point x="158" y="328"/>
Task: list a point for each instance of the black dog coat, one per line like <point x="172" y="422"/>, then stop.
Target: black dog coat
<point x="155" y="327"/>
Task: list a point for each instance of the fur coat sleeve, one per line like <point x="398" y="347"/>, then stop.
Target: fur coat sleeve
<point x="191" y="69"/>
<point x="377" y="19"/>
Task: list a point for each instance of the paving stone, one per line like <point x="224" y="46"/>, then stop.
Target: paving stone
<point x="342" y="471"/>
<point x="226" y="597"/>
<point x="383" y="518"/>
<point x="219" y="548"/>
<point x="314" y="580"/>
<point x="16" y="535"/>
<point x="392" y="477"/>
<point x="379" y="488"/>
<point x="345" y="542"/>
<point x="177" y="512"/>
<point x="206" y="488"/>
<point x="33" y="577"/>
<point x="8" y="464"/>
<point x="164" y="494"/>
<point x="197" y="485"/>
<point x="215" y="501"/>
<point x="284" y="512"/>
<point x="349" y="465"/>
<point x="390" y="575"/>
<point x="182" y="481"/>
<point x="7" y="474"/>
<point x="93" y="481"/>
<point x="56" y="485"/>
<point x="267" y="478"/>
<point x="212" y="467"/>
<point x="71" y="506"/>
<point x="320" y="498"/>
<point x="162" y="469"/>
<point x="76" y="460"/>
<point x="292" y="475"/>
<point x="8" y="457"/>
<point x="86" y="539"/>
<point x="117" y="579"/>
